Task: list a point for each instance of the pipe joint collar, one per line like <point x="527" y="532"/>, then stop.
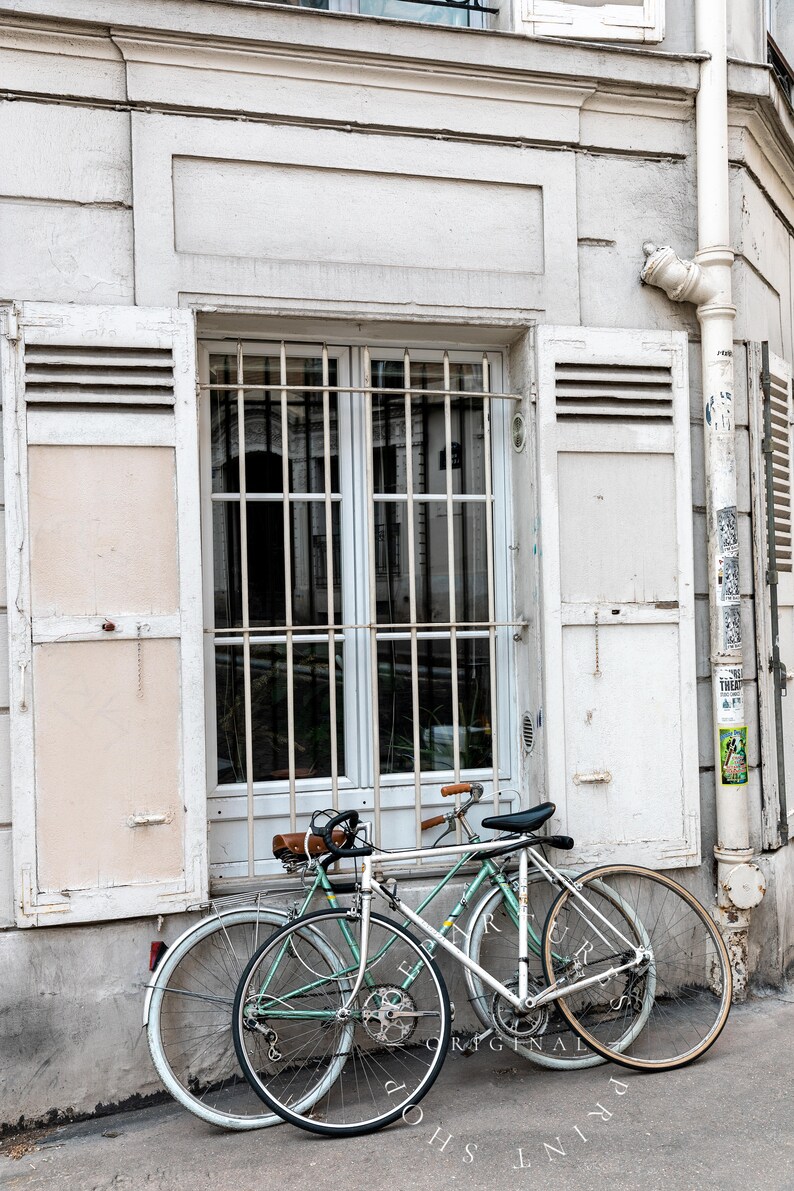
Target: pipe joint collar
<point x="681" y="280"/>
<point x="744" y="885"/>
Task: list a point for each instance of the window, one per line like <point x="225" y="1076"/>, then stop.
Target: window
<point x="474" y="14"/>
<point x="620" y="20"/>
<point x="780" y="42"/>
<point x="359" y="600"/>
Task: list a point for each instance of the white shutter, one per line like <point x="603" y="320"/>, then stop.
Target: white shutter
<point x="104" y="595"/>
<point x="642" y="20"/>
<point x="617" y="589"/>
<point x="781" y="414"/>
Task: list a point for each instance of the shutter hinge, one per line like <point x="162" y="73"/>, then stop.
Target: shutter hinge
<point x="12" y="327"/>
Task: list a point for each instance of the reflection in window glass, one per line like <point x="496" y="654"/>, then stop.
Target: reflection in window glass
<point x="428" y="430"/>
<point x="431" y="562"/>
<point x="269" y="712"/>
<point x="436" y="730"/>
<point x="263" y="429"/>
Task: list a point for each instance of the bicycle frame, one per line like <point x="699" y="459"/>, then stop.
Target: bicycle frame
<point x="488" y="871"/>
<point x="521" y="1001"/>
<point x="466" y="851"/>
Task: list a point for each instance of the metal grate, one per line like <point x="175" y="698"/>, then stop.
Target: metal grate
<point x="395" y="512"/>
<point x="98" y="375"/>
<point x="528" y="732"/>
<point x="779" y="406"/>
<point x="518" y="432"/>
<point x="614" y="392"/>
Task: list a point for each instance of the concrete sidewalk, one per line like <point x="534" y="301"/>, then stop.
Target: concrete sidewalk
<point x="490" y="1121"/>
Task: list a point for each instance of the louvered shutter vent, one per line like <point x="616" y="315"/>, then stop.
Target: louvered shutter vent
<point x="781" y="468"/>
<point x="79" y="375"/>
<point x="614" y="392"/>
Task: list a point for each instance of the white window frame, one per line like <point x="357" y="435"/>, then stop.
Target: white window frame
<point x="357" y="786"/>
<point x="642" y="21"/>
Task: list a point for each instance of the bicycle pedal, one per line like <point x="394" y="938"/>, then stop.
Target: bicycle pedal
<point x="473" y="1045"/>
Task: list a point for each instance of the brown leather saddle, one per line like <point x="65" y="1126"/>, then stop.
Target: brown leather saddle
<point x="290" y="845"/>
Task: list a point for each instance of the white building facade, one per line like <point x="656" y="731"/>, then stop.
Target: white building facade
<point x="345" y="455"/>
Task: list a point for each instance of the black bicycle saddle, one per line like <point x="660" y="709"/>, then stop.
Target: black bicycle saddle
<point x="522" y="820"/>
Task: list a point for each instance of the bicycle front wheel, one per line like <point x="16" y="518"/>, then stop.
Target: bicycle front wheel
<point x="189" y="1017"/>
<point x="674" y="950"/>
<point x="322" y="1063"/>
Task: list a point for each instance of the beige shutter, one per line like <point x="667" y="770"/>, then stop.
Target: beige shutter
<point x="617" y="590"/>
<point x="106" y="671"/>
<point x="642" y="20"/>
<point x="777" y="764"/>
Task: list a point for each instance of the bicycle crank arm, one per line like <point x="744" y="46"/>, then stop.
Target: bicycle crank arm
<point x="472" y="1046"/>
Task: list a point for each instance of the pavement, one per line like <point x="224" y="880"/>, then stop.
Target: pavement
<point x="491" y="1122"/>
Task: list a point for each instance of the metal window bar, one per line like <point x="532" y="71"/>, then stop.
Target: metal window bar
<point x="329" y="565"/>
<point x="248" y="714"/>
<point x="288" y="612"/>
<point x="373" y="594"/>
<point x="489" y="540"/>
<point x="414" y="631"/>
<point x="409" y="521"/>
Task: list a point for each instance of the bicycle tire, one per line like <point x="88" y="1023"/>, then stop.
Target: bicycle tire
<point x="188" y="1017"/>
<point x="685" y="958"/>
<point x="392" y="1045"/>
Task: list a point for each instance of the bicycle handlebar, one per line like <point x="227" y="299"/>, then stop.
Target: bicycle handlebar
<point x="436" y="821"/>
<point x="350" y="819"/>
<point x="456" y="788"/>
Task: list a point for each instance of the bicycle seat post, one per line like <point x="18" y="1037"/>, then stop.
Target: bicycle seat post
<point x="523" y="924"/>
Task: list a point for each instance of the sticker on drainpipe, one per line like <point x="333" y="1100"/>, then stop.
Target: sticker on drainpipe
<point x="733" y="756"/>
<point x="727" y="530"/>
<point x="731" y="627"/>
<point x="730" y="691"/>
<point x="728" y="579"/>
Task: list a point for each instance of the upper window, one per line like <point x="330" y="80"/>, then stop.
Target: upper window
<point x="780" y="51"/>
<point x="472" y="14"/>
<point x="621" y="20"/>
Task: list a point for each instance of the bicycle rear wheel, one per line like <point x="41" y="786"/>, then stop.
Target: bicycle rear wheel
<point x="544" y="1037"/>
<point x="685" y="962"/>
<point x="188" y="1017"/>
<point x="320" y="1064"/>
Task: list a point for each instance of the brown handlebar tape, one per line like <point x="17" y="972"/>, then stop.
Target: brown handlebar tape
<point x="457" y="788"/>
<point x="436" y="821"/>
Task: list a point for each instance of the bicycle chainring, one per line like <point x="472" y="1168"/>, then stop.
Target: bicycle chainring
<point x="389" y="1015"/>
<point x="517" y="1027"/>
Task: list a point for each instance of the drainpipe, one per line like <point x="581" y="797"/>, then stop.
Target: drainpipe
<point x="707" y="282"/>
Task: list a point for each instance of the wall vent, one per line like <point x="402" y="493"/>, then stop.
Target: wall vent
<point x="518" y="431"/>
<point x="527" y="732"/>
<point x="57" y="375"/>
<point x="614" y="392"/>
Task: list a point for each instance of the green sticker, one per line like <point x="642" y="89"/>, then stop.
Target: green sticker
<point x="733" y="756"/>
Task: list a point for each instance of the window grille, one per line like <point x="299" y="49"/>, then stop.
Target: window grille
<point x="350" y="563"/>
